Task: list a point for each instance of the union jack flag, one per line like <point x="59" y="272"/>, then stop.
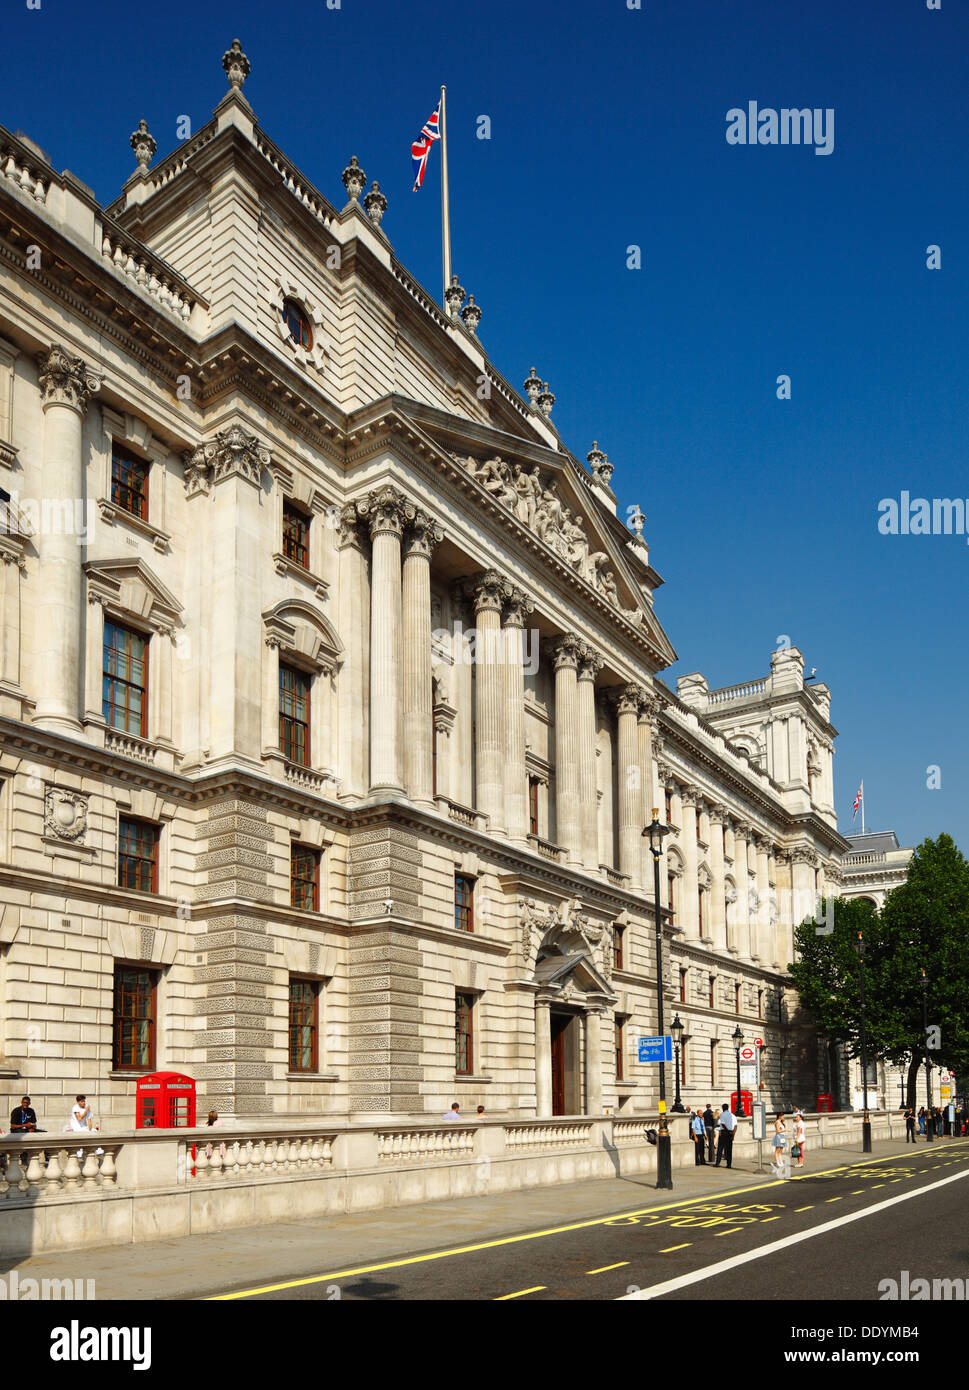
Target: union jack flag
<point x="421" y="148"/>
<point x="859" y="798"/>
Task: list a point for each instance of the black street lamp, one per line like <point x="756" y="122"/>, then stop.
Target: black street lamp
<point x="656" y="833"/>
<point x="738" y="1042"/>
<point x="676" y="1032"/>
<point x="929" y="1123"/>
<point x="865" y="1117"/>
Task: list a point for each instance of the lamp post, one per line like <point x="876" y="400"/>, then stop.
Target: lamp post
<point x="676" y="1032"/>
<point x="929" y="1125"/>
<point x="656" y="833"/>
<point x="738" y="1042"/>
<point x="865" y="1117"/>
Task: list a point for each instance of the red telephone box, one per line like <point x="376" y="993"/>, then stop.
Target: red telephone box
<point x="825" y="1103"/>
<point x="165" y="1100"/>
<point x="746" y="1102"/>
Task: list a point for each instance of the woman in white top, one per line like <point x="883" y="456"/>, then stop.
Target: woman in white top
<point x="82" y="1117"/>
<point x="799" y="1136"/>
<point x="780" y="1141"/>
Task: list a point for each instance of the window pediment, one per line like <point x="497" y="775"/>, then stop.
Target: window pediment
<point x="304" y="635"/>
<point x="130" y="588"/>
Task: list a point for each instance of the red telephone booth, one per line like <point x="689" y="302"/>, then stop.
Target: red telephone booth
<point x="825" y="1103"/>
<point x="165" y="1100"/>
<point x="746" y="1102"/>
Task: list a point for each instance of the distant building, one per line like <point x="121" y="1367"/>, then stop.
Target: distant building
<point x="874" y="866"/>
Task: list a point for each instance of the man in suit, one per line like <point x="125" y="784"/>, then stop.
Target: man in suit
<point x="710" y="1125"/>
<point x="22" y="1119"/>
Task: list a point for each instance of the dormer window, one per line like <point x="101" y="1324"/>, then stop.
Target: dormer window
<point x="298" y="324"/>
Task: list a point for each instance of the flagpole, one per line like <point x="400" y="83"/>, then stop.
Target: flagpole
<point x="445" y="206"/>
<point x="862" y="808"/>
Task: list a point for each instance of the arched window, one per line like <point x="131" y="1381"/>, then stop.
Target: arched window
<point x="298" y="324"/>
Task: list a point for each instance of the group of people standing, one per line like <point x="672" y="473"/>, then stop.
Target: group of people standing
<point x="942" y="1121"/>
<point x="705" y="1124"/>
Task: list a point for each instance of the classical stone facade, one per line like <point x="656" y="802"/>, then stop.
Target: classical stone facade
<point x="330" y="710"/>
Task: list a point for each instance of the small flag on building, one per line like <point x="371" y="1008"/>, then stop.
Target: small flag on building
<point x="421" y="148"/>
<point x="859" y="799"/>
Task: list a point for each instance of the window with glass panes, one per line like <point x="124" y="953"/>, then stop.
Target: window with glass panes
<point x="669" y="808"/>
<point x="296" y="535"/>
<point x="682" y="986"/>
<point x="129" y="481"/>
<point x="463" y="903"/>
<point x="294" y="715"/>
<point x="134" y="1019"/>
<point x="304" y="996"/>
<point x="297" y="323"/>
<point x="669" y="893"/>
<point x="464" y="1034"/>
<point x="304" y="878"/>
<point x="124" y="683"/>
<point x="533" y="805"/>
<point x="736" y="999"/>
<point x="620" y="1026"/>
<point x="138" y="855"/>
<point x="617" y="935"/>
<point x="711" y="996"/>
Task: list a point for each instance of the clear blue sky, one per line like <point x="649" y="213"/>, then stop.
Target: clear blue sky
<point x="608" y="129"/>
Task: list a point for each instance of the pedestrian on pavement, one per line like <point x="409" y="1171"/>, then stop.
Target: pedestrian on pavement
<point x="921" y="1119"/>
<point x="946" y="1122"/>
<point x="726" y="1129"/>
<point x="709" y="1124"/>
<point x="454" y="1115"/>
<point x="699" y="1134"/>
<point x="780" y="1141"/>
<point x="799" y="1134"/>
<point x="909" y="1125"/>
<point x="938" y="1122"/>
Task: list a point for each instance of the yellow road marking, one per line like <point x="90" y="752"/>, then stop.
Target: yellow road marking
<point x="605" y="1267"/>
<point x="731" y="1232"/>
<point x="808" y="1208"/>
<point x="400" y="1263"/>
<point x="520" y="1294"/>
<point x="670" y="1248"/>
<point x="857" y="1191"/>
<point x="838" y="1199"/>
<point x="769" y="1218"/>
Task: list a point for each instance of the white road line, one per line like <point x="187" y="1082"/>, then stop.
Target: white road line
<point x="711" y="1271"/>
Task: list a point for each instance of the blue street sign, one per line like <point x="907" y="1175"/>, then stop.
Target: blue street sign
<point x="656" y="1049"/>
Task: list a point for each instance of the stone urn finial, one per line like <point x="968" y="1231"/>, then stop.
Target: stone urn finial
<point x="354" y="179"/>
<point x="236" y="64"/>
<point x="144" y="145"/>
<point x="533" y="387"/>
<point x="454" y="297"/>
<point x="375" y="204"/>
<point x="546" y="400"/>
<point x="471" y="315"/>
<point x="637" y="520"/>
<point x="602" y="469"/>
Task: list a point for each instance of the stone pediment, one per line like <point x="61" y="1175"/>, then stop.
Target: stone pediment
<point x="571" y="975"/>
<point x="131" y="586"/>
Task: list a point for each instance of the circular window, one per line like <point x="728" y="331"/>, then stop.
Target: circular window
<point x="297" y="323"/>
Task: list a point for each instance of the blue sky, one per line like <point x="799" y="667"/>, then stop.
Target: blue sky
<point x="608" y="130"/>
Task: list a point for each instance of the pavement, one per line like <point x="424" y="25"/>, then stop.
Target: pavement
<point x="537" y="1242"/>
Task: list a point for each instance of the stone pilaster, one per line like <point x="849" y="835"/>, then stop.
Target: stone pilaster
<point x="66" y="385"/>
<point x="630" y="789"/>
<point x="590" y="665"/>
<point x="517" y="609"/>
<point x="593" y="1062"/>
<point x="718" y="920"/>
<point x="567" y="652"/>
<point x="543" y="1059"/>
<point x="689" y="888"/>
<point x="761" y="933"/>
<point x="645" y="720"/>
<point x="488" y="592"/>
<point x="741" y="840"/>
<point x="421" y="536"/>
<point x="385" y="511"/>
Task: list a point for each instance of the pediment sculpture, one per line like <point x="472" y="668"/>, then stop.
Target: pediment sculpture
<point x="539" y="507"/>
<point x="565" y="929"/>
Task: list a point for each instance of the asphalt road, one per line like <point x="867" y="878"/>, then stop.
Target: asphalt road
<point x="643" y="1252"/>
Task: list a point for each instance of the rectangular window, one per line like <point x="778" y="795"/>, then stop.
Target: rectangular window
<point x="669" y="808"/>
<point x="138" y="855"/>
<point x="617" y="935"/>
<point x="134" y="1019"/>
<point x="736" y="999"/>
<point x="669" y="894"/>
<point x="296" y="535"/>
<point x="294" y="715"/>
<point x="713" y="1062"/>
<point x="760" y="1003"/>
<point x="304" y="1018"/>
<point x="682" y="986"/>
<point x="533" y="805"/>
<point x="464" y="1034"/>
<point x="304" y="879"/>
<point x="699" y="827"/>
<point x="620" y="1026"/>
<point x="463" y="903"/>
<point x="124" y="683"/>
<point x="712" y="1000"/>
<point x="699" y="912"/>
<point x="129" y="481"/>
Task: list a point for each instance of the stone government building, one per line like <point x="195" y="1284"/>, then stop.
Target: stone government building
<point x="330" y="715"/>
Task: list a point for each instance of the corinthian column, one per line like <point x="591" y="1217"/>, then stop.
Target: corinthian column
<point x="488" y="593"/>
<point x="630" y="784"/>
<point x="718" y="921"/>
<point x="593" y="1062"/>
<point x="421" y="537"/>
<point x="66" y="385"/>
<point x="517" y="609"/>
<point x="646" y="717"/>
<point x="741" y="837"/>
<point x="385" y="510"/>
<point x="567" y="653"/>
<point x="760" y="932"/>
<point x="690" y="887"/>
<point x="589" y="667"/>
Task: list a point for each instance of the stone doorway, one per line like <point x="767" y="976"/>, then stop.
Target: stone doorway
<point x="566" y="1076"/>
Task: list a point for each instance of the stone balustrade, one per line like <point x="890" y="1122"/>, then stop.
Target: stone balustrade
<point x="27" y="174"/>
<point x="148" y="272"/>
<point x="736" y="692"/>
<point x="66" y="1192"/>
